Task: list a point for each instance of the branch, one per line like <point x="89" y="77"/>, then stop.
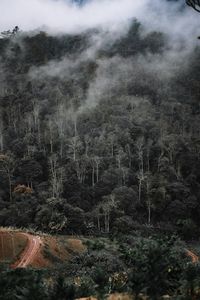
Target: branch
<point x="195" y="4"/>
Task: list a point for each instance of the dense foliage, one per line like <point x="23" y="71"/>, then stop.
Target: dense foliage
<point x="137" y="266"/>
<point x="99" y="140"/>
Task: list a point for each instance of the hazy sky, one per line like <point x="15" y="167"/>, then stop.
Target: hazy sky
<point x="63" y="16"/>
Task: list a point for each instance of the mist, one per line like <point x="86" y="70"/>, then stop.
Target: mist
<point x="99" y="121"/>
<point x="63" y="16"/>
<point x="177" y="24"/>
<point x="112" y="18"/>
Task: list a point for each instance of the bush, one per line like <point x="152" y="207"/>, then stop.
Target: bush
<point x="156" y="266"/>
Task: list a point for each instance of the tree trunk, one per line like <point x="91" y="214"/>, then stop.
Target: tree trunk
<point x="148" y="204"/>
<point x="98" y="223"/>
<point x="139" y="191"/>
<point x="93" y="176"/>
<point x="108" y="222"/>
<point x="38" y="133"/>
<point x="97" y="171"/>
<point x="10" y="187"/>
<point x="1" y="139"/>
<point x="74" y="153"/>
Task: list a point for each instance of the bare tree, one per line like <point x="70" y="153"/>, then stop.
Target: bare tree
<point x="141" y="178"/>
<point x="95" y="162"/>
<point x="75" y="146"/>
<point x="103" y="211"/>
<point x="87" y="141"/>
<point x="129" y="155"/>
<point x="140" y="153"/>
<point x="51" y="134"/>
<point x="148" y="150"/>
<point x="80" y="167"/>
<point x="61" y="120"/>
<point x="123" y="171"/>
<point x="195" y="4"/>
<point x="111" y="142"/>
<point x="56" y="176"/>
<point x="36" y="119"/>
<point x="149" y="204"/>
<point x="1" y="136"/>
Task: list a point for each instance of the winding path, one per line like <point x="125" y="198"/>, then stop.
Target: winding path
<point x="194" y="257"/>
<point x="30" y="252"/>
<point x="34" y="244"/>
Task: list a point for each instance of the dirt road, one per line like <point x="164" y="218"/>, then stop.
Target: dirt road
<point x="26" y="258"/>
<point x="193" y="256"/>
<point x="34" y="243"/>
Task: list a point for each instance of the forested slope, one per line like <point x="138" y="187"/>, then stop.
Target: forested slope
<point x="99" y="134"/>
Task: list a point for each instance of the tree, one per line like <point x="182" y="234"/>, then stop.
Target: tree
<point x="56" y="173"/>
<point x="30" y="170"/>
<point x="126" y="199"/>
<point x="156" y="265"/>
<point x="51" y="134"/>
<point x="95" y="163"/>
<point x="61" y="117"/>
<point x="104" y="210"/>
<point x="80" y="167"/>
<point x="49" y="217"/>
<point x="75" y="146"/>
<point x="7" y="168"/>
<point x="9" y="33"/>
<point x="64" y="289"/>
<point x="101" y="279"/>
<point x="36" y="119"/>
<point x="190" y="281"/>
<point x="1" y="134"/>
<point x="15" y="30"/>
<point x="194" y="4"/>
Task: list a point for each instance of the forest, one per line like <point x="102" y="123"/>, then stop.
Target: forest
<point x="99" y="140"/>
<point x="100" y="137"/>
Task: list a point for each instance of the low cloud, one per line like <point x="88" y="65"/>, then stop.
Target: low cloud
<point x="62" y="16"/>
<point x="179" y="23"/>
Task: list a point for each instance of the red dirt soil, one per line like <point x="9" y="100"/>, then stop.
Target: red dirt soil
<point x="34" y="254"/>
<point x="30" y="251"/>
<point x="11" y="245"/>
<point x="42" y="251"/>
<point x="115" y="296"/>
<point x="194" y="257"/>
<point x="120" y="297"/>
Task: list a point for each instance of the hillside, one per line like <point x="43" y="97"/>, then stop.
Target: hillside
<point x="102" y="267"/>
<point x="11" y="245"/>
<point x="20" y="249"/>
<point x="96" y="144"/>
<point x="99" y="150"/>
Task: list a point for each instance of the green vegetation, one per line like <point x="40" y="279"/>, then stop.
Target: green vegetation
<point x="149" y="266"/>
<point x="72" y="163"/>
<point x="105" y="146"/>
